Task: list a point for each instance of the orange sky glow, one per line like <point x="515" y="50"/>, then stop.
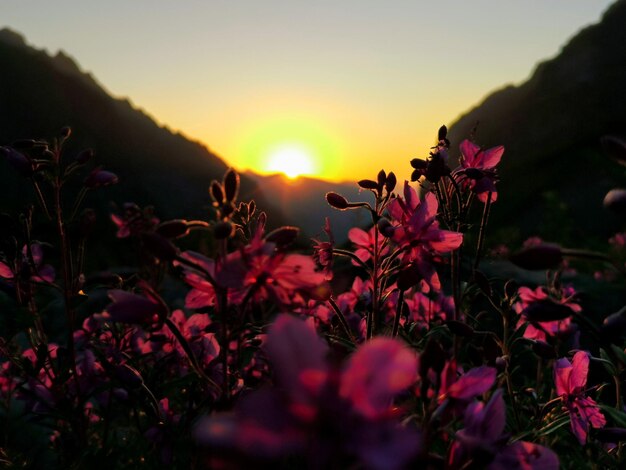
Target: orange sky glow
<point x="355" y="85"/>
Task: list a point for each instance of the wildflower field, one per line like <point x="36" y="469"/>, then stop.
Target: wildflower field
<point x="224" y="344"/>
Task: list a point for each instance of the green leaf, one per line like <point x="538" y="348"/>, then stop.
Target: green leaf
<point x="553" y="426"/>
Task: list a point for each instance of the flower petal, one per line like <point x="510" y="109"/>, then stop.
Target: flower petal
<point x="377" y="372"/>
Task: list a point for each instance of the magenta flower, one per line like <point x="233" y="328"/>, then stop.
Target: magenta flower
<point x="540" y="330"/>
<point x="194" y="329"/>
<point x="478" y="169"/>
<point x="323" y="251"/>
<point x="259" y="268"/>
<point x="424" y="310"/>
<point x="467" y="386"/>
<point x="365" y="243"/>
<point x="482" y="442"/>
<point x="40" y="273"/>
<point x="419" y="233"/>
<point x="570" y="379"/>
<point x="353" y="405"/>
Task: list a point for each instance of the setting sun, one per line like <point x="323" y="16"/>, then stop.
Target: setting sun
<point x="291" y="160"/>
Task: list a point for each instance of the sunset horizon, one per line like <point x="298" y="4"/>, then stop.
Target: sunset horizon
<point x="275" y="96"/>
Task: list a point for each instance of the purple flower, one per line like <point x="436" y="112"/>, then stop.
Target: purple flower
<point x="482" y="442"/>
<point x="478" y="169"/>
<point x="570" y="379"/>
<point x="417" y="229"/>
<point x="352" y="405"/>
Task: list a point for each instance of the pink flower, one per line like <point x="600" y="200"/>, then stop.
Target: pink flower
<point x="40" y="273"/>
<point x="418" y="231"/>
<point x="260" y="268"/>
<point x="352" y="404"/>
<point x="466" y="387"/>
<point x="482" y="442"/>
<point x="365" y="243"/>
<point x="424" y="310"/>
<point x="323" y="251"/>
<point x="478" y="169"/>
<point x="570" y="379"/>
<point x="540" y="330"/>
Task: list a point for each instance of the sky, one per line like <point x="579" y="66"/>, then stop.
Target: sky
<point x="337" y="89"/>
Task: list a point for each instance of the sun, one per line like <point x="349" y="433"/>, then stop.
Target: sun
<point x="292" y="161"/>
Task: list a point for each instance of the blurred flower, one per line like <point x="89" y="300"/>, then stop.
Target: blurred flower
<point x="615" y="200"/>
<point x="131" y="308"/>
<point x="352" y="406"/>
<point x="134" y="221"/>
<point x="570" y="379"/>
<point x="100" y="178"/>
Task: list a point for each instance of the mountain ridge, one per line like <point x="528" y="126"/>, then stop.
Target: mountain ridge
<point x="551" y="125"/>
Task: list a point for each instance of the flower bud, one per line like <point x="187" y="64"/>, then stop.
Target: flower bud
<point x="390" y="182"/>
<point x="382" y="177"/>
<point x="442" y="133"/>
<point x="385" y="228"/>
<point x="368" y="184"/>
<point x="17" y="160"/>
<point x="216" y="192"/>
<point x="337" y="201"/>
<point x="420" y="168"/>
<point x="538" y="257"/>
<point x="84" y="156"/>
<point x="437" y="168"/>
<point x="104" y="278"/>
<point x="231" y="185"/>
<point x="173" y="228"/>
<point x="615" y="200"/>
<point x="99" y="178"/>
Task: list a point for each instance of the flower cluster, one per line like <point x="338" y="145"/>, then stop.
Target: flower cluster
<point x="230" y="344"/>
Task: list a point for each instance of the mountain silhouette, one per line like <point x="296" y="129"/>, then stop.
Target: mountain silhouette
<point x="40" y="93"/>
<point x="554" y="174"/>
